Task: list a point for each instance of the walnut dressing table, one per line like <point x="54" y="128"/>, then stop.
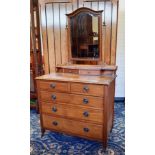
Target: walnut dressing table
<point x="79" y="98"/>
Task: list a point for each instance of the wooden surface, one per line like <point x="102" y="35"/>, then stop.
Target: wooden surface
<point x="88" y="25"/>
<point x="89" y="67"/>
<point x="74" y="112"/>
<point x="76" y="99"/>
<point x="69" y="103"/>
<point x="54" y="31"/>
<point x="73" y="127"/>
<point x="65" y="77"/>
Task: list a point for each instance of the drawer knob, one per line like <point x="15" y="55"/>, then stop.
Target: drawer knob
<point x="52" y="85"/>
<point x="86" y="114"/>
<point x="54" y="109"/>
<point x="85" y="101"/>
<point x="86" y="129"/>
<point x="85" y="88"/>
<point x="55" y="123"/>
<point x="54" y="97"/>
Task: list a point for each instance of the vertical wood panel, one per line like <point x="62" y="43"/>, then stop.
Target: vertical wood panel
<point x="87" y="4"/>
<point x="114" y="33"/>
<point x="64" y="50"/>
<point x="44" y="38"/>
<point x="81" y="3"/>
<point x="107" y="52"/>
<point x="55" y="40"/>
<point x="57" y="33"/>
<point x="101" y="7"/>
<point x="50" y="36"/>
<point x="74" y="3"/>
<point x="94" y="6"/>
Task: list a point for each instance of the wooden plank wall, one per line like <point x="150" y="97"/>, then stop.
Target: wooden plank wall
<point x="53" y="23"/>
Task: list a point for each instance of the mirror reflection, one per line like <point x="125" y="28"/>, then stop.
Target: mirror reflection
<point x="84" y="36"/>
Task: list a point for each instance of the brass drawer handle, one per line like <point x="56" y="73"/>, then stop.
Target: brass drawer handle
<point x="85" y="129"/>
<point x="86" y="88"/>
<point x="55" y="123"/>
<point x="86" y="114"/>
<point x="53" y="85"/>
<point x="53" y="97"/>
<point x="54" y="109"/>
<point x="85" y="101"/>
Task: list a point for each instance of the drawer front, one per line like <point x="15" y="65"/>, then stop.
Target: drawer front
<point x="54" y="86"/>
<point x="90" y="72"/>
<point x="75" y="112"/>
<point x="74" y="71"/>
<point x="92" y="101"/>
<point x="54" y="97"/>
<point x="78" y="128"/>
<point x="87" y="89"/>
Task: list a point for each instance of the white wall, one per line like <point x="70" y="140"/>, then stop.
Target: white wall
<point x="120" y="57"/>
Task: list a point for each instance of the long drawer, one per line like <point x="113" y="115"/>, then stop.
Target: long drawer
<point x="54" y="86"/>
<point x="75" y="127"/>
<point x="85" y="100"/>
<point x="87" y="89"/>
<point x="72" y="111"/>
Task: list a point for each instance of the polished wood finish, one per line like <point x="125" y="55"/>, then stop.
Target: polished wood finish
<point x="75" y="38"/>
<point x="73" y="127"/>
<point x="73" y="112"/>
<point x="87" y="102"/>
<point x="87" y="89"/>
<point x="54" y="86"/>
<point x="77" y="97"/>
<point x="87" y="69"/>
<point x="54" y="97"/>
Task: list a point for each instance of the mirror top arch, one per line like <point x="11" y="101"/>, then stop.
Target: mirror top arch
<point x="84" y="9"/>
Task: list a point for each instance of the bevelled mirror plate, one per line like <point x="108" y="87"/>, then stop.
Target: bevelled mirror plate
<point x="85" y="31"/>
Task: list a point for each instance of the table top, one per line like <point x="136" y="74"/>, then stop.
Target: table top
<point x="68" y="77"/>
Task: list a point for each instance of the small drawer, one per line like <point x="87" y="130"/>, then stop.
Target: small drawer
<point x="87" y="89"/>
<point x="89" y="72"/>
<point x="75" y="112"/>
<point x="53" y="97"/>
<point x="59" y="70"/>
<point x="84" y="100"/>
<point x="74" y="127"/>
<point x="74" y="71"/>
<point x="54" y="86"/>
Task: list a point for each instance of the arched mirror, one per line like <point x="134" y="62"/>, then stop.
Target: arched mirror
<point x="84" y="34"/>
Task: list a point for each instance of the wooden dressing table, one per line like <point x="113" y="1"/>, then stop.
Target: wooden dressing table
<point x="79" y="98"/>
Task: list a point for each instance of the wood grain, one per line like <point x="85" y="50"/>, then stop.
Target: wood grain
<point x="59" y="86"/>
<point x="74" y="112"/>
<point x="95" y="90"/>
<point x="60" y="54"/>
<point x="74" y="127"/>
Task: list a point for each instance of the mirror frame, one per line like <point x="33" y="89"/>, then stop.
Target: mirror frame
<point x="95" y="13"/>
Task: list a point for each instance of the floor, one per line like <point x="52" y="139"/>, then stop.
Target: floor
<point x="53" y="143"/>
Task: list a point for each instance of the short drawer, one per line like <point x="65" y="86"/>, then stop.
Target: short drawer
<point x="74" y="71"/>
<point x="89" y="72"/>
<point x="92" y="101"/>
<point x="54" y="86"/>
<point x="74" y="127"/>
<point x="87" y="89"/>
<point x="75" y="112"/>
<point x="54" y="97"/>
